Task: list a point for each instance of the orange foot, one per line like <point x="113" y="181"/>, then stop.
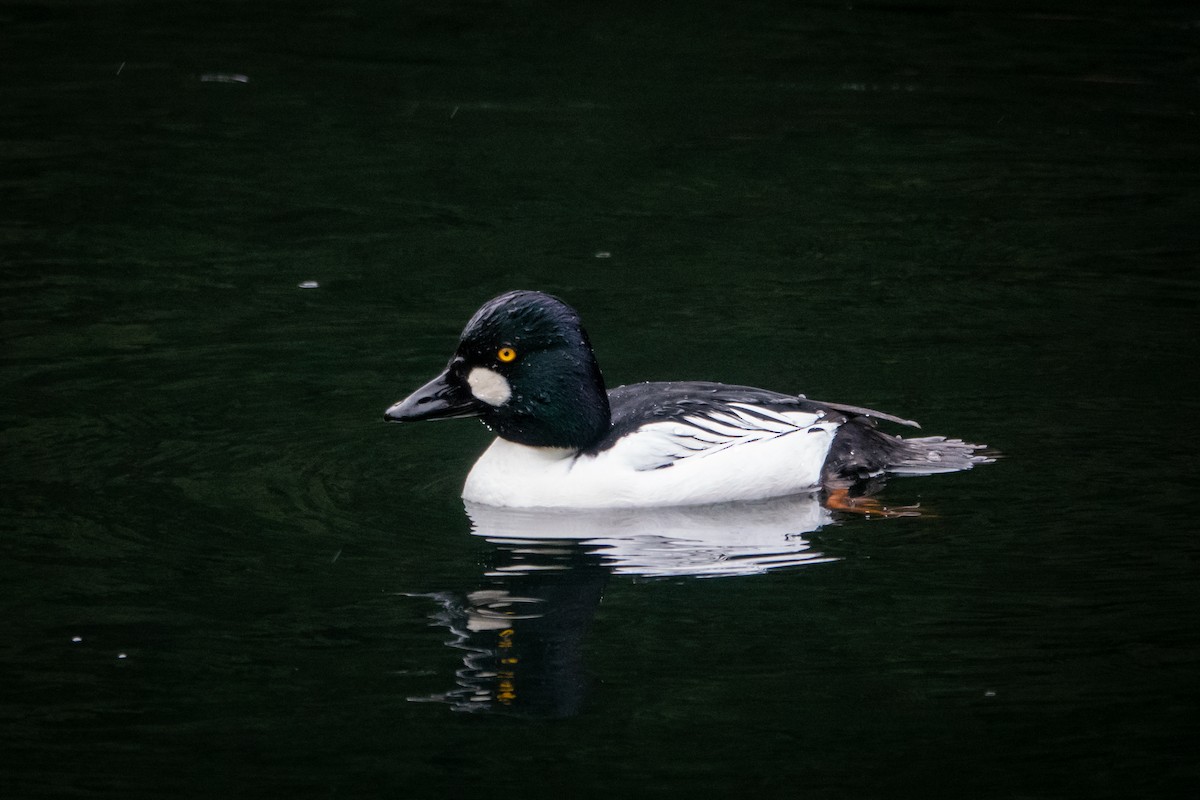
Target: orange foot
<point x="839" y="499"/>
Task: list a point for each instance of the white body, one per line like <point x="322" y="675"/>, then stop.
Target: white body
<point x="748" y="454"/>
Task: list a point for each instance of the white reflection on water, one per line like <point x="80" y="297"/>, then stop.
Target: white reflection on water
<point x="521" y="633"/>
<point x="699" y="541"/>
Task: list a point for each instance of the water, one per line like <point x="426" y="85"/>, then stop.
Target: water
<point x="225" y="576"/>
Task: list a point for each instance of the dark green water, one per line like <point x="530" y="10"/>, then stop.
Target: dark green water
<point x="223" y="575"/>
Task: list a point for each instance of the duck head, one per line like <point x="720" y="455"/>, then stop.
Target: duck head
<point x="524" y="365"/>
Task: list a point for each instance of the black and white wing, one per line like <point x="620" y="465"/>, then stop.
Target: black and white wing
<point x="657" y="425"/>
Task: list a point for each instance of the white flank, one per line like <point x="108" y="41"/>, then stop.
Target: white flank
<point x="489" y="386"/>
<point x="737" y="456"/>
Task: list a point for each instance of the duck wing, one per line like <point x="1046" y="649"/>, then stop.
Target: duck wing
<point x="658" y="424"/>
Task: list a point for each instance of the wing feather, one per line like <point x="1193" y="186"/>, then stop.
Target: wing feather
<point x="703" y="434"/>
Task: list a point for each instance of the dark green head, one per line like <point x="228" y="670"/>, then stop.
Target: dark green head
<point x="525" y="366"/>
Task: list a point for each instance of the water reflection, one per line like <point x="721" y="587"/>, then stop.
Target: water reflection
<point x="521" y="633"/>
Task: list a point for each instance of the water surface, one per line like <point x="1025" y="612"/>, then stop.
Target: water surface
<point x="225" y="576"/>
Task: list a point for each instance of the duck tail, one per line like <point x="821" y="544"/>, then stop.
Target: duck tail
<point x="930" y="455"/>
<point x="862" y="452"/>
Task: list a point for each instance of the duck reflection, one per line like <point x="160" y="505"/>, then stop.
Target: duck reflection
<point x="521" y="633"/>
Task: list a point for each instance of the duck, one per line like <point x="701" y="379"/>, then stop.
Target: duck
<point x="524" y="365"/>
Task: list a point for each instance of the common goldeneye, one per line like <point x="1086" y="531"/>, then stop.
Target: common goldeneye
<point x="525" y="366"/>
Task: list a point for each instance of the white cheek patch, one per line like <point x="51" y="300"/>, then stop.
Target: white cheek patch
<point x="489" y="386"/>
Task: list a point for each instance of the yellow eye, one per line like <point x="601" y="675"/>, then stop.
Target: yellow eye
<point x="506" y="354"/>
